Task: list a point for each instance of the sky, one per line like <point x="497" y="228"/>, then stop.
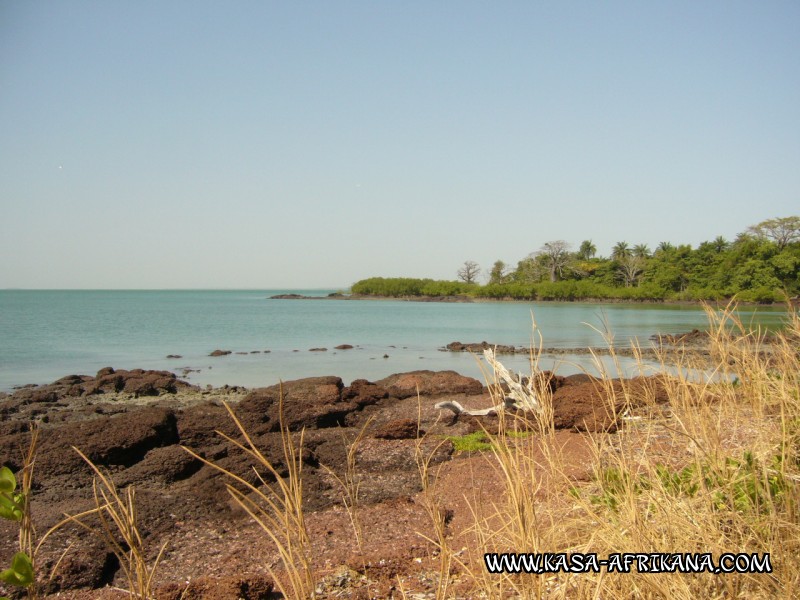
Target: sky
<point x="197" y="144"/>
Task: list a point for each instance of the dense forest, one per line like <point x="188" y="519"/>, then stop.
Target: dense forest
<point x="761" y="265"/>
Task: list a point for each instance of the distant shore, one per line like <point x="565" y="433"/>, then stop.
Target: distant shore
<point x="469" y="299"/>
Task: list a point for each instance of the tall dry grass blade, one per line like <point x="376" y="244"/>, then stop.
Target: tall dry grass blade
<point x="350" y="484"/>
<point x="119" y="529"/>
<point x="278" y="512"/>
<point x="432" y="506"/>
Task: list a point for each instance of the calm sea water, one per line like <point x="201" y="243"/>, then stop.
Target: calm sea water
<point x="48" y="334"/>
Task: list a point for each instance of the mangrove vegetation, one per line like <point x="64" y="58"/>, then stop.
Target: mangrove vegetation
<point x="761" y="265"/>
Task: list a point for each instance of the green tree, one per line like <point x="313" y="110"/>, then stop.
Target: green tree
<point x="786" y="267"/>
<point x="720" y="244"/>
<point x="664" y="247"/>
<point x="527" y="271"/>
<point x="620" y="250"/>
<point x="587" y="250"/>
<point x="783" y="231"/>
<point x="498" y="273"/>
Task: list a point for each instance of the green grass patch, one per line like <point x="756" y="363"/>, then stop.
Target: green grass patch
<point x="472" y="442"/>
<point x="744" y="486"/>
<point x="480" y="441"/>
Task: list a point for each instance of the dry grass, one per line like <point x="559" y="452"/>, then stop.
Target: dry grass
<point x="277" y="510"/>
<point x="716" y="471"/>
<point x="119" y="528"/>
<point x="350" y="483"/>
<point x="433" y="508"/>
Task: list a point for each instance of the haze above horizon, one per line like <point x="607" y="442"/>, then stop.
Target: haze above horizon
<point x="304" y="145"/>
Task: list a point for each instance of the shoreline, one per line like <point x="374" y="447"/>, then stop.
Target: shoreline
<point x="666" y="348"/>
<point x="461" y="299"/>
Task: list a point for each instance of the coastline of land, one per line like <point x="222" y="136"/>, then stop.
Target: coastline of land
<point x="463" y="299"/>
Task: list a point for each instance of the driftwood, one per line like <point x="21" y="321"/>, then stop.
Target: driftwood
<point x="519" y="397"/>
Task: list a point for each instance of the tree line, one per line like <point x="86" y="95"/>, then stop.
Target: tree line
<point x="761" y="265"/>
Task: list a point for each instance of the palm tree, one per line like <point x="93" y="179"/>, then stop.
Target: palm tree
<point x="587" y="250"/>
<point x="620" y="250"/>
<point x="720" y="244"/>
<point x="641" y="251"/>
<point x="664" y="247"/>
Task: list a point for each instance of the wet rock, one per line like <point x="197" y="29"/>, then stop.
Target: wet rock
<point x="220" y="353"/>
<point x="695" y="336"/>
<point x="344" y="347"/>
<point x="478" y="348"/>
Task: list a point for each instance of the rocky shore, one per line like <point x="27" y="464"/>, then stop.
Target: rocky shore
<point x="134" y="424"/>
<point x="661" y="346"/>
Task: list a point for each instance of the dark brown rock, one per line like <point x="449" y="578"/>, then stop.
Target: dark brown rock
<point x="119" y="440"/>
<point x="163" y="465"/>
<point x="241" y="587"/>
<point x="398" y="429"/>
<point x="479" y="347"/>
<point x="149" y="383"/>
<point x="137" y="382"/>
<point x="314" y="402"/>
<point x="197" y="425"/>
<point x="695" y="336"/>
<point x="595" y="407"/>
<point x="220" y="353"/>
<point x="344" y="347"/>
<point x="430" y="383"/>
<point x="87" y="565"/>
<point x="364" y="393"/>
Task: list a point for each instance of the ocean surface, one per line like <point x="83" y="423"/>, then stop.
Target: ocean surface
<point x="45" y="335"/>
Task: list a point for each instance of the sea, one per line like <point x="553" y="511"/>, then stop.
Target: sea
<point x="47" y="334"/>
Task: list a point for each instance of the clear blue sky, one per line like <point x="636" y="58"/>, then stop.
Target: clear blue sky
<point x="311" y="144"/>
